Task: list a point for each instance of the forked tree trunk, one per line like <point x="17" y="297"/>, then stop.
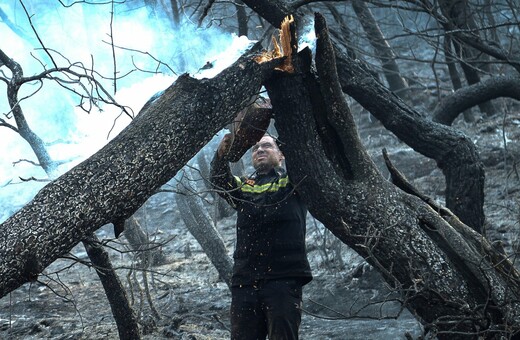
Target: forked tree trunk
<point x="447" y="274"/>
<point x="443" y="270"/>
<point x="455" y="153"/>
<point x="113" y="183"/>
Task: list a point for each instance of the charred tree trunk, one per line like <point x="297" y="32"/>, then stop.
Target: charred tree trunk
<point x="127" y="325"/>
<point x="124" y="315"/>
<point x="382" y="48"/>
<point x="112" y="184"/>
<point x="342" y="34"/>
<point x="441" y="267"/>
<point x="455" y="153"/>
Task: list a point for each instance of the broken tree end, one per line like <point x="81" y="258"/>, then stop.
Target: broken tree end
<point x="283" y="47"/>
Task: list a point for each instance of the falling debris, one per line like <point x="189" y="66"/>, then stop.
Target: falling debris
<point x="283" y="47"/>
<point x="207" y="66"/>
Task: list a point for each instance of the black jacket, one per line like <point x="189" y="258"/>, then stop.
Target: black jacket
<point x="270" y="225"/>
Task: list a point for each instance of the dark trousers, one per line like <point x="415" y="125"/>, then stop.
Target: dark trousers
<point x="270" y="307"/>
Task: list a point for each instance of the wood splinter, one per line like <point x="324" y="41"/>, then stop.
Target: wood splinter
<point x="283" y="46"/>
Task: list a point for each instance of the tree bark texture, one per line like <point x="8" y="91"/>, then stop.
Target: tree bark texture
<point x="123" y="313"/>
<point x="455" y="153"/>
<point x="112" y="184"/>
<point x="440" y="274"/>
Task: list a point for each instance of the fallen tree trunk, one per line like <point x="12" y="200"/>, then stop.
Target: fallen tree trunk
<point x="447" y="274"/>
<point x="113" y="183"/>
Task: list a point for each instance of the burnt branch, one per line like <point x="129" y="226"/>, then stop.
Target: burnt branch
<point x="466" y="97"/>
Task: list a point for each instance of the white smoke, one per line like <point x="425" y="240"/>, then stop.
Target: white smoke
<point x="84" y="33"/>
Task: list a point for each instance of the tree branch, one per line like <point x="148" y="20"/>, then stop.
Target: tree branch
<point x="466" y="97"/>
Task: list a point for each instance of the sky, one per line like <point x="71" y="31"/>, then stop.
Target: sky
<point x="82" y="33"/>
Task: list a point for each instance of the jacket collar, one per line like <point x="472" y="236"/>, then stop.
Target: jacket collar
<point x="275" y="172"/>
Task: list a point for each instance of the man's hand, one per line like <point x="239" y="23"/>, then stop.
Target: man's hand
<point x="225" y="145"/>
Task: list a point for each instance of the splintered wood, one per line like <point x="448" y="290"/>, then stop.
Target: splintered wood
<point x="281" y="47"/>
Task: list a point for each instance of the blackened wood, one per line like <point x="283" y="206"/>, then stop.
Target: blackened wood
<point x="455" y="153"/>
<point x="426" y="259"/>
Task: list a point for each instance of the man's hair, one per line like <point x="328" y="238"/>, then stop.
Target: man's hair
<point x="275" y="139"/>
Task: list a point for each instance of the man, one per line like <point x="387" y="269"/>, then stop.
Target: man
<point x="271" y="264"/>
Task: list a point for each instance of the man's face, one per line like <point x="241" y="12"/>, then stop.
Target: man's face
<point x="266" y="155"/>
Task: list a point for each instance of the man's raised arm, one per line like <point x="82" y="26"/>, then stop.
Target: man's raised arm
<point x="221" y="178"/>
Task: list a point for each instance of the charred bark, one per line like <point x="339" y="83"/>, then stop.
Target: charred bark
<point x="455" y="153"/>
<point x="242" y="18"/>
<point x="464" y="98"/>
<point x="439" y="268"/>
<point x="112" y="184"/>
<point x="124" y="315"/>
